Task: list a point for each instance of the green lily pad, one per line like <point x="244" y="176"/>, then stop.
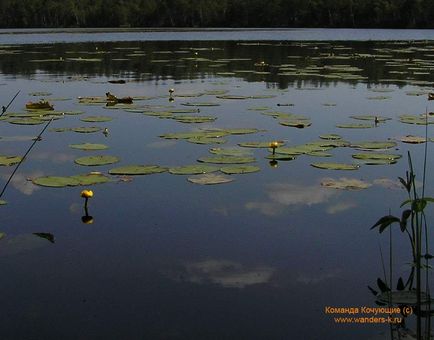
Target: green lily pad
<point x="89" y="129"/>
<point x="96" y="119"/>
<point x="378" y="98"/>
<point x="9" y="160"/>
<point x="137" y="170"/>
<point x="345" y="183"/>
<point x="201" y="104"/>
<point x="73" y="113"/>
<point x="194" y="119"/>
<point x="233" y="97"/>
<point x="159" y="114"/>
<point x="210" y="179"/>
<point x="26" y="121"/>
<point x="335" y="166"/>
<point x="206" y="140"/>
<point x="227" y="159"/>
<point x="96" y="160"/>
<point x="59" y="129"/>
<point x="241" y="131"/>
<point x="259" y="144"/>
<point x="354" y="126"/>
<point x="192" y="169"/>
<point x="3" y="202"/>
<point x="375" y="145"/>
<point x="2" y="235"/>
<point x="40" y="94"/>
<point x="244" y="169"/>
<point x="194" y="134"/>
<point x="89" y="146"/>
<point x="412" y="139"/>
<point x="330" y="136"/>
<point x="415" y="119"/>
<point x="59" y="182"/>
<point x="230" y="152"/>
<point x="319" y="154"/>
<point x="371" y="117"/>
<point x="55" y="181"/>
<point x="90" y="179"/>
<point x="376" y="156"/>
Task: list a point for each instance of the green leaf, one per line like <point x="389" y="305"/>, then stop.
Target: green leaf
<point x="240" y="169"/>
<point x="193" y="169"/>
<point x="210" y="179"/>
<point x="220" y="159"/>
<point x="418" y="205"/>
<point x="400" y="285"/>
<point x="385" y="221"/>
<point x="9" y="160"/>
<point x="47" y="236"/>
<point x="335" y="166"/>
<point x="96" y="160"/>
<point x="89" y="146"/>
<point x="383" y="287"/>
<point x="404" y="217"/>
<point x="137" y="170"/>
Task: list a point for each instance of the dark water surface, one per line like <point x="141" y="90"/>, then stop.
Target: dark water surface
<point x="258" y="258"/>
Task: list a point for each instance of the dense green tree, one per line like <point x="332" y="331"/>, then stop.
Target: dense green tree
<point x="217" y="13"/>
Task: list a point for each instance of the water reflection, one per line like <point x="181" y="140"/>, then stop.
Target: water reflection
<point x="226" y="273"/>
<point x="284" y="195"/>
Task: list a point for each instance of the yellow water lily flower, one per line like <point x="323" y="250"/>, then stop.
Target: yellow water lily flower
<point x="87" y="193"/>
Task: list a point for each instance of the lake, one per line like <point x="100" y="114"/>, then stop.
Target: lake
<point x="265" y="252"/>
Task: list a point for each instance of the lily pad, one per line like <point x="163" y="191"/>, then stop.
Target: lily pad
<point x="89" y="129"/>
<point x="89" y="179"/>
<point x="345" y="183"/>
<point x="26" y="121"/>
<point x="258" y="144"/>
<point x="335" y="166"/>
<point x="371" y="117"/>
<point x="194" y="134"/>
<point x="210" y="179"/>
<point x="201" y="104"/>
<point x="89" y="146"/>
<point x="415" y="119"/>
<point x="376" y="156"/>
<point x="230" y="151"/>
<point x="96" y="119"/>
<point x="192" y="169"/>
<point x="354" y="126"/>
<point x="233" y="97"/>
<point x="244" y="169"/>
<point x="137" y="170"/>
<point x="330" y="136"/>
<point x="59" y="182"/>
<point x="206" y="140"/>
<point x="412" y="139"/>
<point x="374" y="145"/>
<point x="55" y="181"/>
<point x="194" y="119"/>
<point x="220" y="159"/>
<point x="9" y="160"/>
<point x="96" y="160"/>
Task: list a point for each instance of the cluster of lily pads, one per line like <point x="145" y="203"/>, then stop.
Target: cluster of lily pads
<point x="330" y="61"/>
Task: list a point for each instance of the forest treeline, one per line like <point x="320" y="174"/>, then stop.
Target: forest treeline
<point x="217" y="13"/>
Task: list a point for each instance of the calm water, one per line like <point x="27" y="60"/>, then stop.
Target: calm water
<point x="258" y="258"/>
